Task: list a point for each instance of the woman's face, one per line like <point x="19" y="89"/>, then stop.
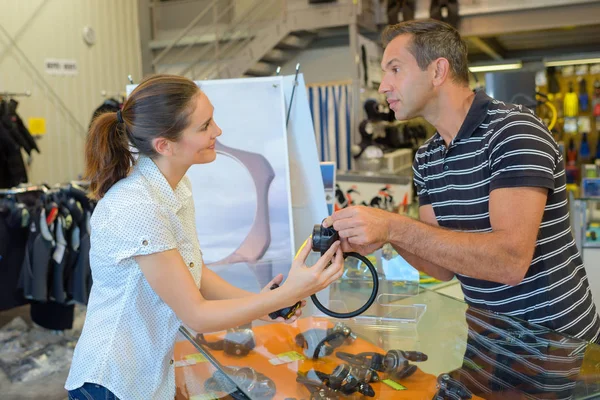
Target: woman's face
<point x="197" y="142"/>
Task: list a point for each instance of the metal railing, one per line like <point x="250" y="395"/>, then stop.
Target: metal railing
<point x="235" y="39"/>
<point x="184" y="32"/>
<point x="213" y="41"/>
<point x="220" y="38"/>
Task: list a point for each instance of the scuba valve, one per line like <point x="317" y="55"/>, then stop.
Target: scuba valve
<point x="323" y="238"/>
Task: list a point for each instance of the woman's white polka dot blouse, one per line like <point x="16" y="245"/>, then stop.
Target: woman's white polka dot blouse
<point x="129" y="332"/>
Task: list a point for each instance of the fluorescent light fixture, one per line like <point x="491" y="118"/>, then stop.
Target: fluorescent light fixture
<point x="574" y="60"/>
<point x="496" y="67"/>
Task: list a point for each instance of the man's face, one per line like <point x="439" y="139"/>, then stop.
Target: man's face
<point x="408" y="89"/>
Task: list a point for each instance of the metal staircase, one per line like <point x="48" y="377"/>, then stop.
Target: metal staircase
<point x="235" y="38"/>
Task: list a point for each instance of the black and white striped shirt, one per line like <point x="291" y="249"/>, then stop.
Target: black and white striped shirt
<point x="521" y="360"/>
<point x="503" y="145"/>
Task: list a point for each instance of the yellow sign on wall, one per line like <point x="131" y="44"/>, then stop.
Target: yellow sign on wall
<point x="37" y="126"/>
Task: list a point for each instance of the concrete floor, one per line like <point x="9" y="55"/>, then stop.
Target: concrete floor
<point x="48" y="388"/>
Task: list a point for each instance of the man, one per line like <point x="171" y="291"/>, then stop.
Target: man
<point x="491" y="186"/>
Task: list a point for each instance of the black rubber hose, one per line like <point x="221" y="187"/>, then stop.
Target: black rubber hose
<point x="366" y="306"/>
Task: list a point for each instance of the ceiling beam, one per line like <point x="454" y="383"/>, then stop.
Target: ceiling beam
<point x="489" y="46"/>
<point x="497" y="24"/>
<point x="538" y="54"/>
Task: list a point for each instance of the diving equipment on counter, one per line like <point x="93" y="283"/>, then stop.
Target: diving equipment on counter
<point x="258" y="385"/>
<point x="395" y="363"/>
<point x="237" y="342"/>
<point x="319" y="343"/>
<point x="318" y="390"/>
<point x="348" y="379"/>
<point x="451" y="389"/>
<point x="322" y="239"/>
<point x="287" y="312"/>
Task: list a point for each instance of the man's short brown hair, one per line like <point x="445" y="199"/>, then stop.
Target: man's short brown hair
<point x="433" y="39"/>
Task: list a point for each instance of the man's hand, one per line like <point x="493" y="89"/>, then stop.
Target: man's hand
<point x="362" y="229"/>
<point x="278" y="279"/>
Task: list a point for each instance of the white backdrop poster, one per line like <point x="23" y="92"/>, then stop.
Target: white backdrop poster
<point x="308" y="193"/>
<point x="243" y="198"/>
<point x="229" y="193"/>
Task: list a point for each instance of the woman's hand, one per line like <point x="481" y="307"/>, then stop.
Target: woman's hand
<point x="303" y="281"/>
<point x="278" y="279"/>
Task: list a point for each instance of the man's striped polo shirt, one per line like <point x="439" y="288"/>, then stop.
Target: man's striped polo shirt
<point x="504" y="145"/>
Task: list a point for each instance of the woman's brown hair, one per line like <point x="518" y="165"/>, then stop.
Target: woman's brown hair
<point x="160" y="106"/>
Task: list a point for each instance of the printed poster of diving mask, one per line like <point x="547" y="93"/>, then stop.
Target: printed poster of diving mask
<point x="243" y="198"/>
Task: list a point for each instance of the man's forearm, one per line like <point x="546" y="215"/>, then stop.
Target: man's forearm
<point x="487" y="256"/>
<point x="429" y="268"/>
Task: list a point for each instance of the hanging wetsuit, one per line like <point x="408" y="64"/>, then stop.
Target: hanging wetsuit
<point x="60" y="261"/>
<point x="13" y="123"/>
<point x="20" y="127"/>
<point x="14" y="219"/>
<point x="77" y="214"/>
<point x="80" y="282"/>
<point x="82" y="275"/>
<point x="36" y="275"/>
<point x="12" y="167"/>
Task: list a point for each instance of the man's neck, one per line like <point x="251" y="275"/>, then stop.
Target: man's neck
<point x="450" y="110"/>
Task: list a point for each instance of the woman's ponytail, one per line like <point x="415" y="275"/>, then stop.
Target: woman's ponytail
<point x="107" y="155"/>
<point x="160" y="106"/>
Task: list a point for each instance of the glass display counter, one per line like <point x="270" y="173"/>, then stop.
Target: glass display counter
<point x="424" y="346"/>
<point x="585" y="222"/>
<point x="585" y="219"/>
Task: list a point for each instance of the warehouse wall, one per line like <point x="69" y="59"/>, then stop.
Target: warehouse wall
<point x="328" y="64"/>
<point x="35" y="30"/>
<point x="335" y="63"/>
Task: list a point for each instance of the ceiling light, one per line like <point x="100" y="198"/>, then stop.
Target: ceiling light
<point x="577" y="61"/>
<point x="496" y="67"/>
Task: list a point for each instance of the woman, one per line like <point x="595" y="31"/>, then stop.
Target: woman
<point x="145" y="257"/>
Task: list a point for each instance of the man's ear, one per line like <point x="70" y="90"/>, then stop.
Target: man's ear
<point x="162" y="146"/>
<point x="441" y="71"/>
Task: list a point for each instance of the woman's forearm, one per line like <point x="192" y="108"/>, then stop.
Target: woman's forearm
<point x="213" y="287"/>
<point x="216" y="315"/>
